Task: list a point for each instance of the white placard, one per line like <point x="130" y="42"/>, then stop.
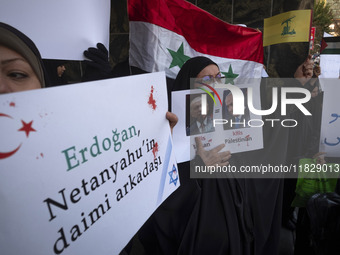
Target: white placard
<point x="83" y="166"/>
<point x="330" y="123"/>
<point x="245" y="137"/>
<point x="60" y="29"/>
<point x="330" y="66"/>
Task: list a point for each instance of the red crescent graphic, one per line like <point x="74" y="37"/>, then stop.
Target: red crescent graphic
<point x="8" y="154"/>
<point x="5" y="115"/>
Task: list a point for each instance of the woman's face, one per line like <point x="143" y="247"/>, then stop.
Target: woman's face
<point x="209" y="72"/>
<point x="60" y="70"/>
<point x="16" y="74"/>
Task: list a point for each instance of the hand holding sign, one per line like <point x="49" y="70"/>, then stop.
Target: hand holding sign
<point x="98" y="178"/>
<point x="172" y="118"/>
<point x="213" y="156"/>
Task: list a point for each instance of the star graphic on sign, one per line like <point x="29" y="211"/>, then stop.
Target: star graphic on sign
<point x="230" y="76"/>
<point x="178" y="57"/>
<point x="173" y="175"/>
<point x="27" y="127"/>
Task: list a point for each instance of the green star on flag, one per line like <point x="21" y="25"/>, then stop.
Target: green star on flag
<point x="230" y="76"/>
<point x="178" y="57"/>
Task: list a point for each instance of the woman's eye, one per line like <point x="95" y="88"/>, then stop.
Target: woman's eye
<point x="17" y="75"/>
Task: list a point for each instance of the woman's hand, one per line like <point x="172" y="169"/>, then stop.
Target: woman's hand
<point x="320" y="158"/>
<point x="172" y="118"/>
<point x="305" y="71"/>
<point x="213" y="157"/>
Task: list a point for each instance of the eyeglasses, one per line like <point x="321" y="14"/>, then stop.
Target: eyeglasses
<point x="209" y="79"/>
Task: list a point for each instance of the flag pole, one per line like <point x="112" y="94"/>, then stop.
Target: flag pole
<point x="268" y="57"/>
<point x="232" y="12"/>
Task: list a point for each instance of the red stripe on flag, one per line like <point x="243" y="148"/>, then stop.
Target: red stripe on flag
<point x="204" y="32"/>
<point x="323" y="45"/>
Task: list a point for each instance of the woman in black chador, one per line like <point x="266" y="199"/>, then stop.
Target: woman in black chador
<point x="215" y="216"/>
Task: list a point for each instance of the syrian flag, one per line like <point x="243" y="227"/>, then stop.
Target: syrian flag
<point x="166" y="33"/>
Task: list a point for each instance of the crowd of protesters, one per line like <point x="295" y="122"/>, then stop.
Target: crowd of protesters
<point x="203" y="216"/>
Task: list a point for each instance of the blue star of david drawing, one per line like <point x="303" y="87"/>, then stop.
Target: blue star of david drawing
<point x="173" y="175"/>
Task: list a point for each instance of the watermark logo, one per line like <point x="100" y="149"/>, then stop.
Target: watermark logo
<point x="240" y="102"/>
<point x="204" y="97"/>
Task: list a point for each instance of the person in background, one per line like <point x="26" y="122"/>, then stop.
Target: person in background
<point x="203" y="216"/>
<point x="202" y="69"/>
<point x="56" y="71"/>
<point x="220" y="215"/>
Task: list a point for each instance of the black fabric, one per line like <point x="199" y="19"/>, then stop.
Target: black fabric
<point x="98" y="66"/>
<point x="220" y="212"/>
<point x="304" y="138"/>
<point x="263" y="197"/>
<point x="303" y="243"/>
<point x="324" y="216"/>
<point x="303" y="142"/>
<point x="201" y="217"/>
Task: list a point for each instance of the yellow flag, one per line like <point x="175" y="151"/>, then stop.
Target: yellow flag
<point x="293" y="26"/>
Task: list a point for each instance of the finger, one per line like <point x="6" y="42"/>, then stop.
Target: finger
<point x="308" y="59"/>
<point x="199" y="144"/>
<point x="94" y="57"/>
<point x="225" y="156"/>
<point x="172" y="118"/>
<point x="218" y="148"/>
<point x="226" y="153"/>
<point x="223" y="160"/>
<point x="97" y="52"/>
<point x="102" y="48"/>
<point x="309" y="65"/>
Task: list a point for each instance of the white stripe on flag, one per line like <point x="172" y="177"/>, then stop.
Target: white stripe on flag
<point x="149" y="46"/>
<point x="333" y="45"/>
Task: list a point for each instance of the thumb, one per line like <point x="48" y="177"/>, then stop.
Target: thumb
<point x="199" y="144"/>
